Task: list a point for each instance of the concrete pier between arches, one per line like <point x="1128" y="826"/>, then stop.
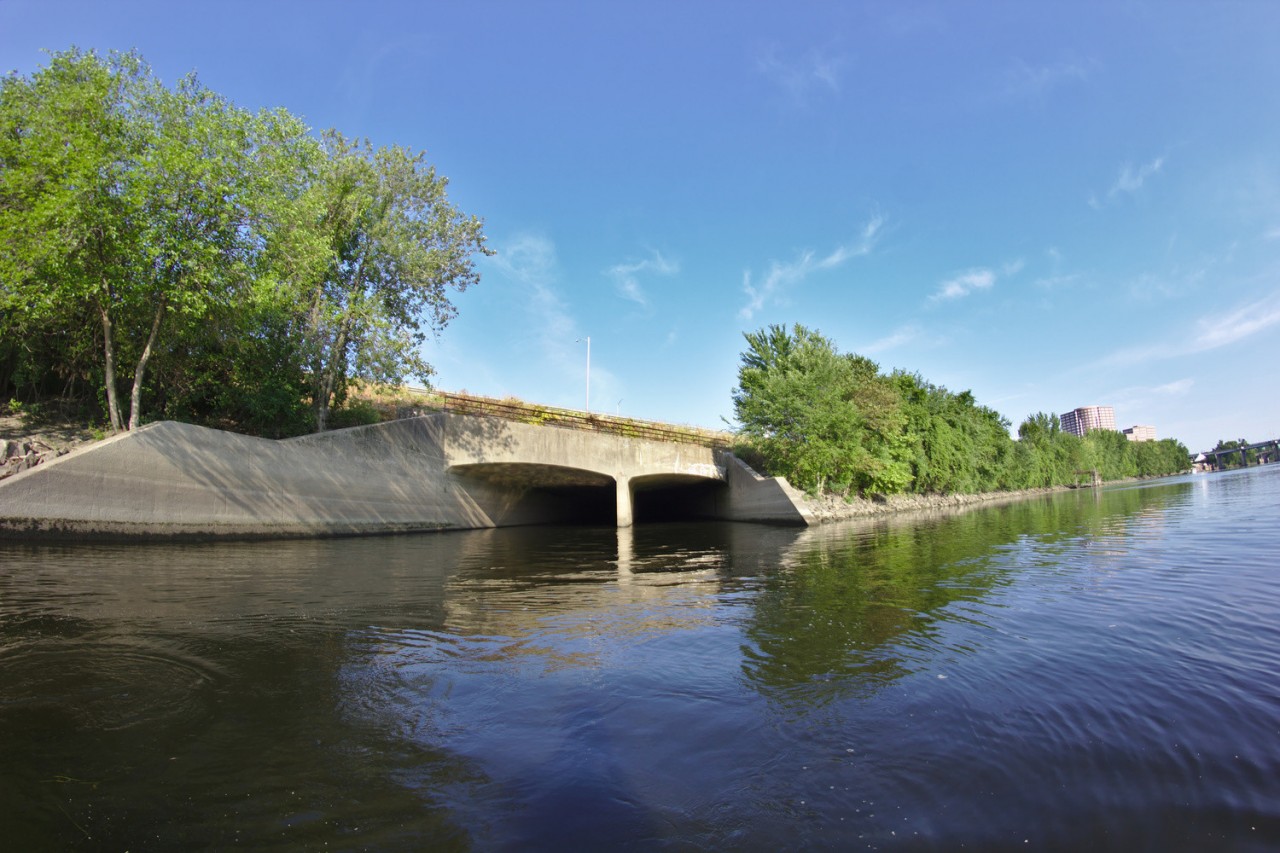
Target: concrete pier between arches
<point x="436" y="472"/>
<point x="623" y="502"/>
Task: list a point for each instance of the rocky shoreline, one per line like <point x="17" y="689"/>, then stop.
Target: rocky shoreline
<point x="24" y="445"/>
<point x="831" y="508"/>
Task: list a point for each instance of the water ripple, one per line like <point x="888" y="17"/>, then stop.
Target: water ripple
<point x="108" y="684"/>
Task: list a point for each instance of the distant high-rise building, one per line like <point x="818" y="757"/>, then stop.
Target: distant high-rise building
<point x="1082" y="420"/>
<point x="1140" y="432"/>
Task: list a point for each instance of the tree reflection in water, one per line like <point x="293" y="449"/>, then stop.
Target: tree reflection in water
<point x="858" y="605"/>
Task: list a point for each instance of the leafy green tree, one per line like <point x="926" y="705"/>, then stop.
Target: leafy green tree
<point x="376" y="248"/>
<point x="65" y="215"/>
<point x="1159" y="458"/>
<point x="821" y="419"/>
<point x="127" y="200"/>
<point x="1112" y="454"/>
<point x="1037" y="436"/>
<point x="1055" y="457"/>
<point x="958" y="445"/>
<point x="240" y="370"/>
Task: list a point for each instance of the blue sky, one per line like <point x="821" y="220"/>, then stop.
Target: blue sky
<point x="1050" y="204"/>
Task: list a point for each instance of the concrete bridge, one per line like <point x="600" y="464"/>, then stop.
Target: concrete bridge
<point x="593" y="470"/>
<point x="437" y="471"/>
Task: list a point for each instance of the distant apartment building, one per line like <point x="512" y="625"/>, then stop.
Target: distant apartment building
<point x="1082" y="420"/>
<point x="1140" y="432"/>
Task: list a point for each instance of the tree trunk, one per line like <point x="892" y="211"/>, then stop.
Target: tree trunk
<point x="321" y="406"/>
<point x="326" y="381"/>
<point x="321" y="389"/>
<point x="135" y="397"/>
<point x="109" y="368"/>
<point x="327" y="377"/>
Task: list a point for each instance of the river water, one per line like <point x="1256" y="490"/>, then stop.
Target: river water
<point x="1084" y="671"/>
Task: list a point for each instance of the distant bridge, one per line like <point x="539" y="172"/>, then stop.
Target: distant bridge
<point x="1272" y="446"/>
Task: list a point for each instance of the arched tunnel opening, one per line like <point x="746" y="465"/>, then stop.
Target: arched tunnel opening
<point x="675" y="498"/>
<point x="572" y="504"/>
<point x="520" y="494"/>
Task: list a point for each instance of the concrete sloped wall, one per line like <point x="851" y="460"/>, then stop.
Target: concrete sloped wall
<point x="171" y="479"/>
<point x="751" y="497"/>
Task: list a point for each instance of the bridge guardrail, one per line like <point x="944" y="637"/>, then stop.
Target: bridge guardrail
<point x="516" y="410"/>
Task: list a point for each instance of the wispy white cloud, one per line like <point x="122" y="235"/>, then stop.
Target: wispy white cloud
<point x="899" y="337"/>
<point x="1129" y="181"/>
<point x="626" y="276"/>
<point x="1057" y="282"/>
<point x="531" y="262"/>
<point x="782" y="276"/>
<point x="1142" y="393"/>
<point x="970" y="281"/>
<point x="1035" y="81"/>
<point x="816" y="71"/>
<point x="1239" y="324"/>
<point x="1210" y="334"/>
<point x="1137" y="403"/>
<point x="1148" y="287"/>
<point x="1133" y="355"/>
<point x="963" y="284"/>
<point x="1056" y="278"/>
<point x="1177" y="388"/>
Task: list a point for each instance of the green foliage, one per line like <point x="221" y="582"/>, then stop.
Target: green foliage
<point x="125" y="202"/>
<point x="163" y="246"/>
<point x="355" y="412"/>
<point x="957" y="445"/>
<point x="832" y="422"/>
<point x="240" y="371"/>
<point x="1111" y="454"/>
<point x="384" y="247"/>
<point x="822" y="419"/>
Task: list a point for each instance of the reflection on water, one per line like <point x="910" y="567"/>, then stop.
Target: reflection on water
<point x="863" y="603"/>
<point x="1087" y="670"/>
